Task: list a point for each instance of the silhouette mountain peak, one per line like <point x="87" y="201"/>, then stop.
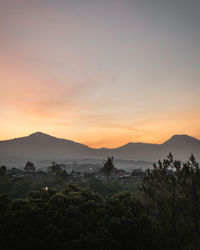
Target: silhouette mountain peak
<point x="41" y="137"/>
<point x="182" y="138"/>
<point x="43" y="146"/>
<point x="37" y="134"/>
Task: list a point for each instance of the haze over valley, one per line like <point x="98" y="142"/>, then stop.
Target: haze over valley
<point x="43" y="149"/>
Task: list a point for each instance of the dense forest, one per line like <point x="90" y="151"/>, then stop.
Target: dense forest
<point x="159" y="211"/>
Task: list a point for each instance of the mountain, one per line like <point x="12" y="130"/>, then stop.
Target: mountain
<point x="40" y="146"/>
<point x="43" y="146"/>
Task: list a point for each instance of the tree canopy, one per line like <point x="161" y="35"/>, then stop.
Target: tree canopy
<point x="163" y="214"/>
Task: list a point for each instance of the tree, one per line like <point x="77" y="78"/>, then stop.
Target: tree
<point x="3" y="170"/>
<point x="108" y="166"/>
<point x="55" y="167"/>
<point x="126" y="220"/>
<point x="29" y="166"/>
<point x="171" y="193"/>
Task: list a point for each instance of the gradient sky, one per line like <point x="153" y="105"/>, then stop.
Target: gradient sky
<point x="100" y="72"/>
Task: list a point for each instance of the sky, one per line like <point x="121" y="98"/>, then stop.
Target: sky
<point x="103" y="73"/>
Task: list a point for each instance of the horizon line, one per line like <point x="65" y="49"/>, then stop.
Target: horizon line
<point x="139" y="142"/>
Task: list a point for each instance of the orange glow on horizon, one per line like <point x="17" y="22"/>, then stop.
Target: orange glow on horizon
<point x="76" y="73"/>
<point x="91" y="135"/>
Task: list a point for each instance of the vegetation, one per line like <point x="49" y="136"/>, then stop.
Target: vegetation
<point x="108" y="166"/>
<point x="29" y="166"/>
<point x="160" y="212"/>
<point x="3" y="170"/>
<point x="19" y="187"/>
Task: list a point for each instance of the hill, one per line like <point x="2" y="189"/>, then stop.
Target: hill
<point x="40" y="146"/>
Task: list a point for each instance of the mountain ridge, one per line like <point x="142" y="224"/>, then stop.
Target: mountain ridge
<point x="39" y="145"/>
<point x="39" y="134"/>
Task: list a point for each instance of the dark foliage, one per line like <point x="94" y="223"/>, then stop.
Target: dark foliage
<point x="29" y="166"/>
<point x="108" y="166"/>
<point x="3" y="170"/>
<point x="163" y="214"/>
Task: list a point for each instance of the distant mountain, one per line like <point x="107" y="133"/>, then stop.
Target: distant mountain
<point x="178" y="140"/>
<point x="40" y="146"/>
<point x="43" y="146"/>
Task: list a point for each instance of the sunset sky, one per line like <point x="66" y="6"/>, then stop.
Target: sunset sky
<point x="100" y="72"/>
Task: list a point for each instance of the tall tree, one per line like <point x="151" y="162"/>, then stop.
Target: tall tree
<point x="3" y="170"/>
<point x="108" y="166"/>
